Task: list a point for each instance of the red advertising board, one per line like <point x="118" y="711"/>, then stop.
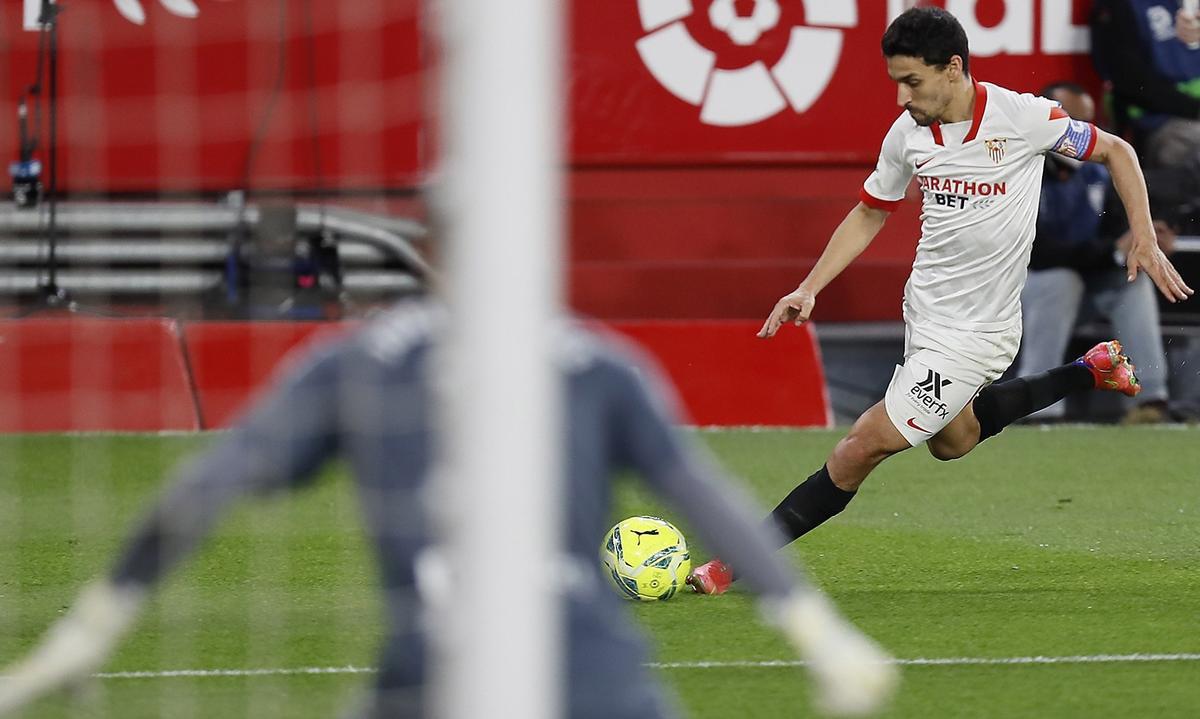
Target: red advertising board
<point x="666" y="81"/>
<point x="174" y="104"/>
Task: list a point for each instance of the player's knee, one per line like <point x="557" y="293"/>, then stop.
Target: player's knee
<point x="946" y="451"/>
<point x="861" y="449"/>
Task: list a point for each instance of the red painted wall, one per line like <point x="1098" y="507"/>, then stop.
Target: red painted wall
<point x="92" y="374"/>
<point x="715" y="243"/>
<point x="149" y="375"/>
<point x="230" y="361"/>
<point x="726" y="375"/>
<point x="717" y="367"/>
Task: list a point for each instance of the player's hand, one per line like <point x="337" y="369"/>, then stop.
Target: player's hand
<point x="851" y="674"/>
<point x="1147" y="256"/>
<point x="74" y="647"/>
<point x="795" y="307"/>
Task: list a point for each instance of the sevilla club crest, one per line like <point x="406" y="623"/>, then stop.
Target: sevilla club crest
<point x="995" y="148"/>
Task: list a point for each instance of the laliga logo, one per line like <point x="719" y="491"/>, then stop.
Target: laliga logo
<point x="750" y="94"/>
<point x="744" y="30"/>
<point x="131" y="10"/>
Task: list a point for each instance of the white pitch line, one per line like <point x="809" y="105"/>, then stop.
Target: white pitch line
<point x="952" y="661"/>
<point x="221" y="673"/>
<point x="747" y="664"/>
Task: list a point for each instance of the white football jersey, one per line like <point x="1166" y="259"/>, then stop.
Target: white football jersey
<point x="981" y="182"/>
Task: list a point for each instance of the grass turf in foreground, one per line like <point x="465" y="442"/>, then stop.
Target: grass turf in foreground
<point x="1064" y="542"/>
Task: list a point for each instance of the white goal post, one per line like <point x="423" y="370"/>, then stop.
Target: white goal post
<point x="501" y="206"/>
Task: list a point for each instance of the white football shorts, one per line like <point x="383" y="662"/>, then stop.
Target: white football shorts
<point x="943" y="370"/>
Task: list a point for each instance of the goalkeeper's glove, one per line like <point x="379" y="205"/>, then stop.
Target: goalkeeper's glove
<point x="75" y="646"/>
<point x="852" y="675"/>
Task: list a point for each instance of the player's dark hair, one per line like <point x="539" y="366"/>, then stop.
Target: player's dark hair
<point x="929" y="33"/>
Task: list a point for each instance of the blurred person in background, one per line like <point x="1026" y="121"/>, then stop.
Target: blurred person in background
<point x="1077" y="267"/>
<point x="370" y="399"/>
<point x="1149" y="50"/>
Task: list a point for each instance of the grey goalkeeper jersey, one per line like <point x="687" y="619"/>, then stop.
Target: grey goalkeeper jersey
<point x="368" y="400"/>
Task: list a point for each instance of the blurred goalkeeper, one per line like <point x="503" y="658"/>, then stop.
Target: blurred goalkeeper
<point x="369" y="399"/>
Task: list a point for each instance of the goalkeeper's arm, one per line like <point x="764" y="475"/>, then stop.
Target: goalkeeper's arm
<point x="852" y="674"/>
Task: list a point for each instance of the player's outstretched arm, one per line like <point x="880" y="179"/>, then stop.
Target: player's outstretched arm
<point x="1144" y="251"/>
<point x="281" y="443"/>
<point x="288" y="435"/>
<point x="848" y="241"/>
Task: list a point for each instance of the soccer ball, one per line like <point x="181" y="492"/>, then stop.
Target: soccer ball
<point x="646" y="558"/>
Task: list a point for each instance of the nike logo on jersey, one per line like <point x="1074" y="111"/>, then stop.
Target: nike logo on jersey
<point x="913" y="424"/>
<point x="922" y="163"/>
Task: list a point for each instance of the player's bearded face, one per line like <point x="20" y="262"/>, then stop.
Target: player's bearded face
<point x="925" y="91"/>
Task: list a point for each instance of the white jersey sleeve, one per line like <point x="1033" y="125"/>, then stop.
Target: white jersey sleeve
<point x="1048" y="128"/>
<point x="885" y="187"/>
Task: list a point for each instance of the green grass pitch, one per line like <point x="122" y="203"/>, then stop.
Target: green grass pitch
<point x="1065" y="543"/>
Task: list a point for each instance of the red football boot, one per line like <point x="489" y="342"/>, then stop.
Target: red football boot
<point x="713" y="577"/>
<point x="1110" y="369"/>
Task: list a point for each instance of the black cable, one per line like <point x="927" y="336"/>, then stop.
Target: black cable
<point x="310" y="41"/>
<point x="48" y="56"/>
<point x="233" y="268"/>
<point x="53" y="292"/>
<point x="264" y="121"/>
<point x="34" y="91"/>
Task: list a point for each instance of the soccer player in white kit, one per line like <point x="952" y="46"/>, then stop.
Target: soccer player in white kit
<point x="975" y="150"/>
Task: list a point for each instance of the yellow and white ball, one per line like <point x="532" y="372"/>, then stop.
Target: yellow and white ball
<point x="646" y="558"/>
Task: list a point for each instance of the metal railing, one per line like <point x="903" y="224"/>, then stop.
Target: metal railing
<point x="175" y="248"/>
